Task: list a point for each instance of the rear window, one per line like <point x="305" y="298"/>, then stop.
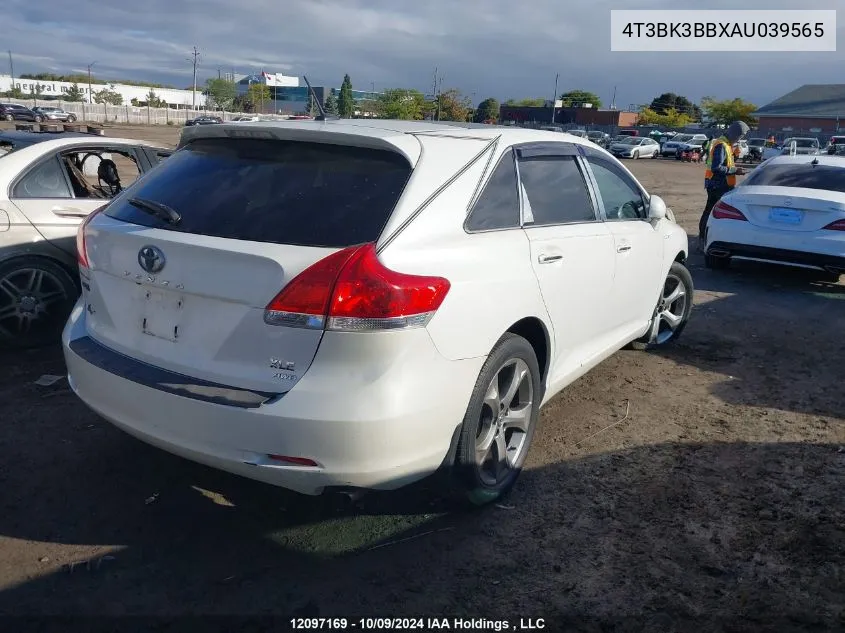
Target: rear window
<point x="284" y="192"/>
<point x="806" y="176"/>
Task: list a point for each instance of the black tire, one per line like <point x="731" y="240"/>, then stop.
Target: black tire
<point x="636" y="154"/>
<point x="57" y="294"/>
<point x="467" y="477"/>
<point x="71" y="118"/>
<point x="717" y="263"/>
<point x="676" y="271"/>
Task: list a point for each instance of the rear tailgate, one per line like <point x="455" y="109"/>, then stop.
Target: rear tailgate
<point x="190" y="296"/>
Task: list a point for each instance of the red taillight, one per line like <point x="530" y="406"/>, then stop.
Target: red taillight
<point x="293" y="461"/>
<point x="724" y="211"/>
<point x="352" y="290"/>
<point x="839" y="225"/>
<point x="81" y="253"/>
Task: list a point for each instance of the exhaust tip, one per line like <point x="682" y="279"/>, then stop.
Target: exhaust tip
<point x="718" y="252"/>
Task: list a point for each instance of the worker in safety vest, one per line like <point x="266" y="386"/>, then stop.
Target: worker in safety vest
<point x="720" y="172"/>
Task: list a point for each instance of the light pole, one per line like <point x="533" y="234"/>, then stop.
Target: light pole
<point x="554" y="98"/>
<point x="90" y="94"/>
<point x="193" y="59"/>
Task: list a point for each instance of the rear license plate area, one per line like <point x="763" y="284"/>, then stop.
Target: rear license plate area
<point x="786" y="216"/>
<point x="161" y="313"/>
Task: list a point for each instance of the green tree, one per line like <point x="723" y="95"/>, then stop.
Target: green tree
<point x="487" y="111"/>
<point x="671" y="101"/>
<point x="74" y="93"/>
<point x="38" y="90"/>
<point x="533" y="102"/>
<point x="108" y="95"/>
<point x="258" y="95"/>
<point x="221" y="93"/>
<point x="345" y="101"/>
<point x="669" y="118"/>
<point x="401" y="103"/>
<point x="331" y="104"/>
<point x="14" y="93"/>
<point x="154" y="101"/>
<point x="729" y="110"/>
<point x="579" y="97"/>
<point x="453" y="106"/>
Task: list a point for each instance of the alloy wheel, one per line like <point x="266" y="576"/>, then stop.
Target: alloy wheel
<point x="506" y="415"/>
<point x="671" y="308"/>
<point x="28" y="297"/>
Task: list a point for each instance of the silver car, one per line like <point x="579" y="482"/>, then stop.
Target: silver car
<point x="48" y="186"/>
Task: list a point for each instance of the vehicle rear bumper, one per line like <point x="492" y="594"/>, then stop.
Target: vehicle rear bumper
<point x="379" y="427"/>
<point x="826" y="261"/>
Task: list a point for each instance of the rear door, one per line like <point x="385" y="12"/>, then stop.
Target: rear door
<point x="55" y="197"/>
<point x="571" y="252"/>
<point x="190" y="297"/>
<point x="638" y="246"/>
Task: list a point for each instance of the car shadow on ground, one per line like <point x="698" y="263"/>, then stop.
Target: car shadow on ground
<point x="730" y="536"/>
<point x="773" y="334"/>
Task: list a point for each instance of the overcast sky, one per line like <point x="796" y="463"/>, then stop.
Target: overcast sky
<point x="504" y="49"/>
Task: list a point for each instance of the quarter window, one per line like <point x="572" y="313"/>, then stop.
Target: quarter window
<point x="621" y="197"/>
<point x="46" y="180"/>
<point x="498" y="205"/>
<point x="555" y="191"/>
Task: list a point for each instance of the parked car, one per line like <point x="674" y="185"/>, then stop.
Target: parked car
<point x="835" y="145"/>
<point x="629" y="133"/>
<point x="48" y="185"/>
<point x="740" y="149"/>
<point x="676" y="145"/>
<point x="599" y="138"/>
<point x="246" y="118"/>
<point x="803" y="146"/>
<point x="789" y="210"/>
<point x="15" y="112"/>
<point x="300" y="345"/>
<point x="55" y="114"/>
<point x="635" y="147"/>
<point x="204" y="120"/>
<point x="578" y="133"/>
<point x="756" y="147"/>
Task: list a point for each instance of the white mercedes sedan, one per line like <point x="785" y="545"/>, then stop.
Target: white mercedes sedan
<point x="346" y="305"/>
<point x="789" y="210"/>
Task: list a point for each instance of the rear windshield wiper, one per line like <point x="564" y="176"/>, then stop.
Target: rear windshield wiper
<point x="159" y="210"/>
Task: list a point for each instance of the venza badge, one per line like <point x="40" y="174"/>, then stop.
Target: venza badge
<point x="151" y="259"/>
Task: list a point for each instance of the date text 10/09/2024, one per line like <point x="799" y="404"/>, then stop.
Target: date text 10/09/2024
<point x="724" y="29"/>
<point x="415" y="624"/>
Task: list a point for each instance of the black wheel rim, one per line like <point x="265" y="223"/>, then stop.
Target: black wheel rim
<point x="33" y="303"/>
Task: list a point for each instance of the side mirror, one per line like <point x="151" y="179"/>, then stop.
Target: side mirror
<point x="656" y="208"/>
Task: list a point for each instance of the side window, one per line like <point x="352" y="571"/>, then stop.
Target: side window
<point x="621" y="197"/>
<point x="44" y="181"/>
<point x="498" y="205"/>
<point x="99" y="173"/>
<point x="555" y="190"/>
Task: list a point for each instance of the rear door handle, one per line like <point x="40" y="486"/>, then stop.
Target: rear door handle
<point x="623" y="249"/>
<point x="69" y="212"/>
<point x="549" y="259"/>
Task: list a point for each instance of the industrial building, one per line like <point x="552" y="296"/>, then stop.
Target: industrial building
<point x="812" y="108"/>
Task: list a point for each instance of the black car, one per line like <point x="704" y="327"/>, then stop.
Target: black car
<point x="15" y="112"/>
<point x="204" y="120"/>
<point x="756" y="146"/>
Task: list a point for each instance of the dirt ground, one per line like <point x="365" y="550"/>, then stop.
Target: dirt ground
<point x="714" y="502"/>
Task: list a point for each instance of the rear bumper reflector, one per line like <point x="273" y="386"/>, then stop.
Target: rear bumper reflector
<point x="148" y="375"/>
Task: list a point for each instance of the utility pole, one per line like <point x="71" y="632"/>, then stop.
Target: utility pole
<point x="219" y="76"/>
<point x="195" y="58"/>
<point x="439" y="94"/>
<point x="90" y="94"/>
<point x="12" y="69"/>
<point x="434" y="92"/>
<point x="554" y="97"/>
<point x="613" y="101"/>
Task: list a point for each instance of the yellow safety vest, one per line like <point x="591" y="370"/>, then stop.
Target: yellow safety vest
<point x="708" y="173"/>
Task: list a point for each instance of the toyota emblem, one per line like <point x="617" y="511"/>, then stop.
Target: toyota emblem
<point x="151" y="259"/>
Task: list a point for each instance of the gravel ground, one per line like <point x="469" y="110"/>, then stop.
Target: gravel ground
<point x="716" y="504"/>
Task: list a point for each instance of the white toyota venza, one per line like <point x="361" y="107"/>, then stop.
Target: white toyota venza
<point x="348" y="305"/>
